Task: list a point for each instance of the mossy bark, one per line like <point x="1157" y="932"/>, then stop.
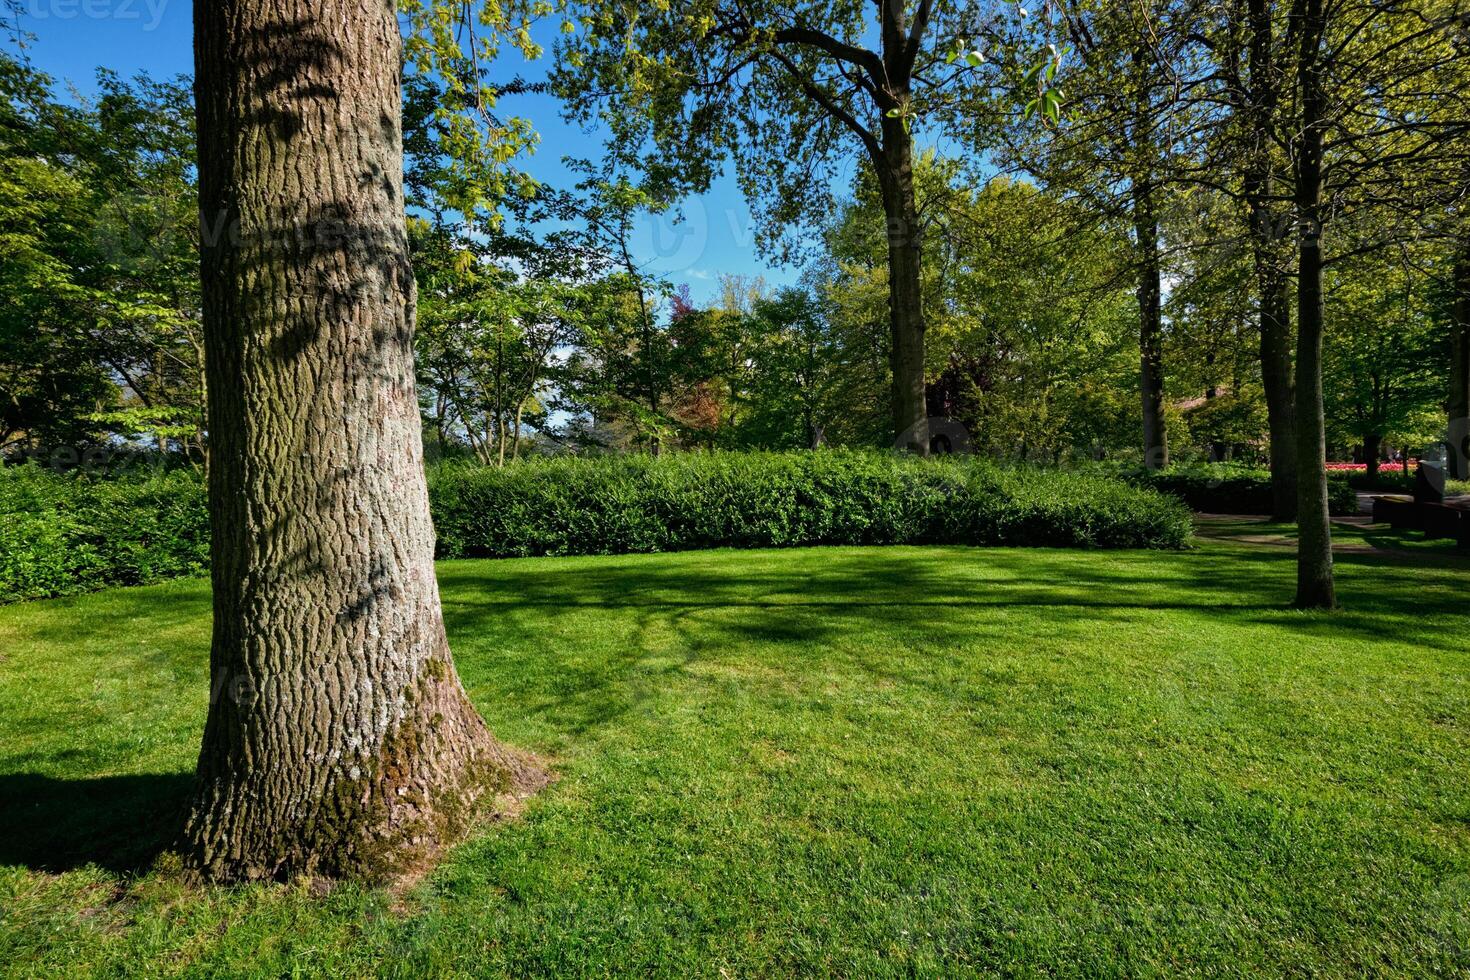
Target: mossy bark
<point x="339" y="741"/>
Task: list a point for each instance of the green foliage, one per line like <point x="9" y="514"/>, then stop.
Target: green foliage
<point x="1032" y="335"/>
<point x="67" y="534"/>
<point x="1225" y="489"/>
<point x="615" y="505"/>
<point x="1384" y="368"/>
<point x="99" y="230"/>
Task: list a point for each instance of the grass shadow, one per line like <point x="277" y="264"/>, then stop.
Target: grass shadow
<point x="119" y="823"/>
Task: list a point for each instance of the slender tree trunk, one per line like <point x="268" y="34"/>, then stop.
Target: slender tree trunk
<point x="515" y="449"/>
<point x="339" y="741"/>
<point x="1271" y="286"/>
<point x="1459" y="400"/>
<point x="1277" y="378"/>
<point x="1316" y="588"/>
<point x="1372" y="453"/>
<point x="1149" y="267"/>
<point x="905" y="290"/>
<point x="1151" y="327"/>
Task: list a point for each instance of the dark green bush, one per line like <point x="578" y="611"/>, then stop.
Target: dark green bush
<point x="1225" y="489"/>
<point x="752" y="500"/>
<point x="65" y="534"/>
<point x="68" y="534"/>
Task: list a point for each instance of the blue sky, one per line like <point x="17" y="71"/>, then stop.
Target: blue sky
<point x="75" y="37"/>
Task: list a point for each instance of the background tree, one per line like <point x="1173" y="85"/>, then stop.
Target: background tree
<point x="100" y="334"/>
<point x="50" y="377"/>
<point x="1030" y="313"/>
<point x="794" y="382"/>
<point x="1366" y="124"/>
<point x="487" y="342"/>
<point x="1382" y="376"/>
<point x="1117" y="148"/>
<point x="786" y="88"/>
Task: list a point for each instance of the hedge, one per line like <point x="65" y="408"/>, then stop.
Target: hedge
<point x="623" y="505"/>
<point x="1224" y="489"/>
<point x="61" y="535"/>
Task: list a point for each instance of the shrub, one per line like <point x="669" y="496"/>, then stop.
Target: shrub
<point x="1225" y="489"/>
<point x="61" y="535"/>
<point x="617" y="505"/>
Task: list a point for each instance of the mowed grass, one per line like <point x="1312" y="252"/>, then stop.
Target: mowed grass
<point x="832" y="762"/>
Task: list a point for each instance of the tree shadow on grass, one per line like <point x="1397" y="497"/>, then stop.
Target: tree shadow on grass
<point x="118" y="823"/>
<point x="663" y="612"/>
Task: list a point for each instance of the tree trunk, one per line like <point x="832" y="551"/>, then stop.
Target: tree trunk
<point x="1277" y="379"/>
<point x="1372" y="453"/>
<point x="1315" y="584"/>
<point x="905" y="296"/>
<point x="1151" y="329"/>
<point x="1459" y="400"/>
<point x="339" y="741"/>
<point x="1271" y="285"/>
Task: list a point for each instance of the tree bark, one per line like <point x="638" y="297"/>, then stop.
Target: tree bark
<point x="905" y="285"/>
<point x="339" y="741"/>
<point x="1459" y="400"/>
<point x="1151" y="329"/>
<point x="1316" y="588"/>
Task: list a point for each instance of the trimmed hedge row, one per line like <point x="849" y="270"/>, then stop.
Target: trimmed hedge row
<point x="62" y="535"/>
<point x="1224" y="489"/>
<point x="773" y="500"/>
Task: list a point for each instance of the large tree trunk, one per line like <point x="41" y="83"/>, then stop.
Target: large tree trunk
<point x="1459" y="400"/>
<point x="905" y="284"/>
<point x="1151" y="328"/>
<point x="339" y="740"/>
<point x="1315" y="585"/>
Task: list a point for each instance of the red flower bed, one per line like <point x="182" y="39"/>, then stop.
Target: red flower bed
<point x="1363" y="467"/>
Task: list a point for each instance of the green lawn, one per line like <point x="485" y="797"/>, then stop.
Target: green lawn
<point x="865" y="762"/>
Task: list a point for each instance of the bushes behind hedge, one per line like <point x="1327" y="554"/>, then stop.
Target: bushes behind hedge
<point x="61" y="535"/>
<point x="751" y="500"/>
<point x="1392" y="480"/>
<point x="1225" y="489"/>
